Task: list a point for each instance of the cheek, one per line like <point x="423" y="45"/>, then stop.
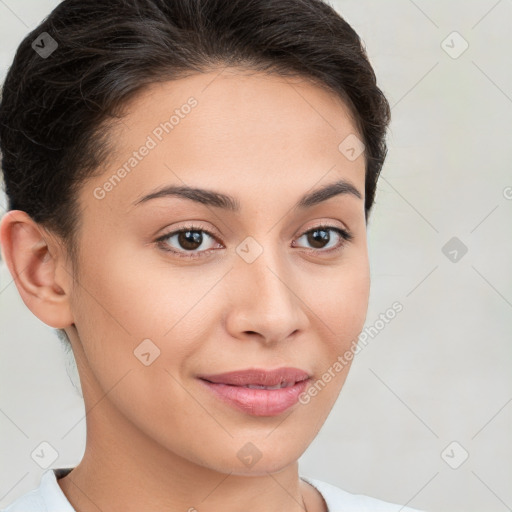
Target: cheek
<point x="341" y="305"/>
<point x="126" y="297"/>
<point x="341" y="298"/>
<point x="342" y="321"/>
<point x="130" y="294"/>
<point x="123" y="312"/>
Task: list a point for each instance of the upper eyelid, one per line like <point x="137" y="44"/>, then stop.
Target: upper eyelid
<point x="213" y="233"/>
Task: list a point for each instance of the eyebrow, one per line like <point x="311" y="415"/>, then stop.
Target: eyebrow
<point x="226" y="202"/>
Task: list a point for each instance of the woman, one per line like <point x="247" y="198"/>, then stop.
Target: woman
<point x="189" y="184"/>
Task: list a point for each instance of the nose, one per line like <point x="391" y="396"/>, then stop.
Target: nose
<point x="266" y="300"/>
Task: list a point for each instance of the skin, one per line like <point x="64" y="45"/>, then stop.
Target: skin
<point x="266" y="140"/>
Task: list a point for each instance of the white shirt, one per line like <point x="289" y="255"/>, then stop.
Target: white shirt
<point x="48" y="497"/>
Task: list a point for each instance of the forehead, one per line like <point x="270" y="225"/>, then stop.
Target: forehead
<point x="242" y="131"/>
<point x="243" y="96"/>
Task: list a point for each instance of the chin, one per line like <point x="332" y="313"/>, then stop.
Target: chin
<point x="259" y="459"/>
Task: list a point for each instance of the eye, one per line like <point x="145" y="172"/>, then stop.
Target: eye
<point x="319" y="237"/>
<point x="191" y="238"/>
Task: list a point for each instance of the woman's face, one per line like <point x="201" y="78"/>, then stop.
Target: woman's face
<point x="253" y="287"/>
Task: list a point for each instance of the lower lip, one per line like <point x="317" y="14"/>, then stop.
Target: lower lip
<point x="259" y="402"/>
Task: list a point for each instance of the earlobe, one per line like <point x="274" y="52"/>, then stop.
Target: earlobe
<point x="33" y="259"/>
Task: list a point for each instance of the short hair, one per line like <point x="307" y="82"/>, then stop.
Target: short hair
<point x="56" y="110"/>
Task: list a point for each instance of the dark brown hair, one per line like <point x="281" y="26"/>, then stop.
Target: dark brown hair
<point x="56" y="109"/>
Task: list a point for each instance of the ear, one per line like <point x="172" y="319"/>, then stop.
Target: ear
<point x="37" y="263"/>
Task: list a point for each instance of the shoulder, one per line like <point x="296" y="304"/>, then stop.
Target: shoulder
<point x="338" y="500"/>
<point x="48" y="497"/>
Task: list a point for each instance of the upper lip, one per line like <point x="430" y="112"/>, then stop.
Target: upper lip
<point x="258" y="377"/>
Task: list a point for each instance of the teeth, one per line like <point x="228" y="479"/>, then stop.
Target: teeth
<point x="277" y="386"/>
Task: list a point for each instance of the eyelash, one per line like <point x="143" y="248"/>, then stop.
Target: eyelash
<point x="345" y="235"/>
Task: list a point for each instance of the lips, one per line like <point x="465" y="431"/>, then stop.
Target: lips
<point x="259" y="378"/>
<point x="258" y="392"/>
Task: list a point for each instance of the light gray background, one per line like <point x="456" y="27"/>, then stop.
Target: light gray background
<point x="440" y="371"/>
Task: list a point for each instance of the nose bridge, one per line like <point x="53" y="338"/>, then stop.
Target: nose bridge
<point x="260" y="263"/>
